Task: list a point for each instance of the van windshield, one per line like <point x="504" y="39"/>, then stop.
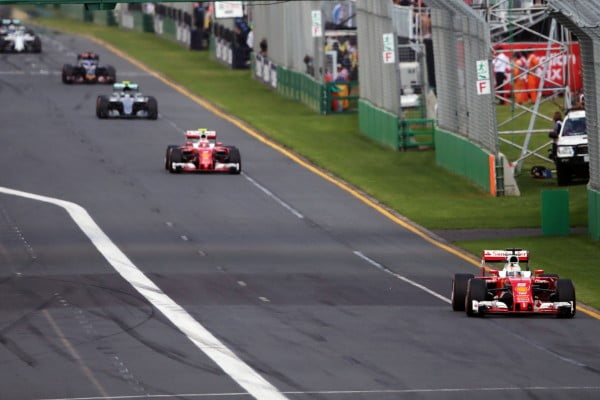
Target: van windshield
<point x="574" y="127"/>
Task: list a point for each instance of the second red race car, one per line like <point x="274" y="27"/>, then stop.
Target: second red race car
<point x="202" y="153"/>
<point x="512" y="290"/>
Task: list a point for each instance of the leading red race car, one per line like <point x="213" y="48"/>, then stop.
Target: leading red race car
<point x="512" y="290"/>
<point x="202" y="153"/>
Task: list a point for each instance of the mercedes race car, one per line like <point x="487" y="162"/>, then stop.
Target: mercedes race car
<point x="512" y="290"/>
<point x="126" y="101"/>
<point x="88" y="70"/>
<point x="17" y="38"/>
<point x="202" y="153"/>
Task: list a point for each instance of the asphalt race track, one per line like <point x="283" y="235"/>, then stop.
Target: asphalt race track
<point x="307" y="287"/>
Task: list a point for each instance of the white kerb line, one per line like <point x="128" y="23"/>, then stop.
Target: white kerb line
<point x="226" y="359"/>
<point x="402" y="278"/>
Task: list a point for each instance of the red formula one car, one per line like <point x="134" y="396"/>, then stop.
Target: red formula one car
<point x="512" y="290"/>
<point x="202" y="153"/>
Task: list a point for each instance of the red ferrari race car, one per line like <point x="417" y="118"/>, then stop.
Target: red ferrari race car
<point x="512" y="290"/>
<point x="202" y="153"/>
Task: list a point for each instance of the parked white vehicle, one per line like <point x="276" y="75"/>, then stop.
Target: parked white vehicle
<point x="571" y="149"/>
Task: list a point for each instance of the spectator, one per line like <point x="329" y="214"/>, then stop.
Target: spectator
<point x="501" y="65"/>
<point x="250" y="39"/>
<point x="310" y="69"/>
<point x="339" y="14"/>
<point x="199" y="14"/>
<point x="264" y="47"/>
<point x="557" y="118"/>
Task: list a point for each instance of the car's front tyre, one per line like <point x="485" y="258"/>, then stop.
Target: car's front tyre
<point x="476" y="290"/>
<point x="459" y="291"/>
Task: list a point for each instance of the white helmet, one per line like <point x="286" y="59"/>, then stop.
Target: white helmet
<point x="512" y="267"/>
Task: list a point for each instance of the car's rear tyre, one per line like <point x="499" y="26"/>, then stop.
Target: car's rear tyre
<point x="37" y="45"/>
<point x="152" y="108"/>
<point x="168" y="155"/>
<point x="111" y="74"/>
<point x="563" y="175"/>
<point x="459" y="291"/>
<point x="565" y="291"/>
<point x="67" y="72"/>
<point x="235" y="157"/>
<point x="102" y="107"/>
<point x="476" y="290"/>
<point x="175" y="156"/>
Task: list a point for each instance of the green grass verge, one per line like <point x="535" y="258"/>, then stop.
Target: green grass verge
<point x="575" y="257"/>
<point x="408" y="182"/>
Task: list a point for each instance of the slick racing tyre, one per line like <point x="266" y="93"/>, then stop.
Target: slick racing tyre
<point x="476" y="290"/>
<point x="102" y="107"/>
<point x="459" y="291"/>
<point x="37" y="45"/>
<point x="565" y="291"/>
<point x="168" y="155"/>
<point x="175" y="156"/>
<point x="235" y="157"/>
<point x="111" y="74"/>
<point x="152" y="108"/>
<point x="67" y="73"/>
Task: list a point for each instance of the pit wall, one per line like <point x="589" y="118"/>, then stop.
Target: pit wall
<point x="594" y="213"/>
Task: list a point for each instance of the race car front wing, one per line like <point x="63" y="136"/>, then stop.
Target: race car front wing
<point x="499" y="307"/>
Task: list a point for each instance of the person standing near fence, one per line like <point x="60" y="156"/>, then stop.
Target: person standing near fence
<point x="519" y="78"/>
<point x="533" y="79"/>
<point x="501" y="65"/>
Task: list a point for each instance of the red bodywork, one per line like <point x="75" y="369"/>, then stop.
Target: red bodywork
<point x="202" y="152"/>
<point x="529" y="294"/>
<point x="512" y="290"/>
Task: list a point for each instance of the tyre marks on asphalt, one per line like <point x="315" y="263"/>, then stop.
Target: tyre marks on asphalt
<point x="242" y="373"/>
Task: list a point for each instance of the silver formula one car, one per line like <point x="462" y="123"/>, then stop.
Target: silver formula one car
<point x="127" y="102"/>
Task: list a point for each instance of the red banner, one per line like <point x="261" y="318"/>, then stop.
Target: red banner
<point x="564" y="66"/>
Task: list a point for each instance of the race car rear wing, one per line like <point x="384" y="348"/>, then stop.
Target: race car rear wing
<point x="502" y="255"/>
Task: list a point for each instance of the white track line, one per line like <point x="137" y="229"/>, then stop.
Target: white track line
<point x="402" y="278"/>
<point x="271" y="195"/>
<point x="226" y="359"/>
<point x="348" y="392"/>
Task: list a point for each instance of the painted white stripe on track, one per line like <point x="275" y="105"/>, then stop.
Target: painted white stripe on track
<point x="351" y="392"/>
<point x="227" y="360"/>
<point x="271" y="195"/>
<point x="402" y="278"/>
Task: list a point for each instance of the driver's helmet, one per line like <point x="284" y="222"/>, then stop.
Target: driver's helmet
<point x="512" y="267"/>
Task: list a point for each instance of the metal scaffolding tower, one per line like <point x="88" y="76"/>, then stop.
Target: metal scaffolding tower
<point x="509" y="20"/>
